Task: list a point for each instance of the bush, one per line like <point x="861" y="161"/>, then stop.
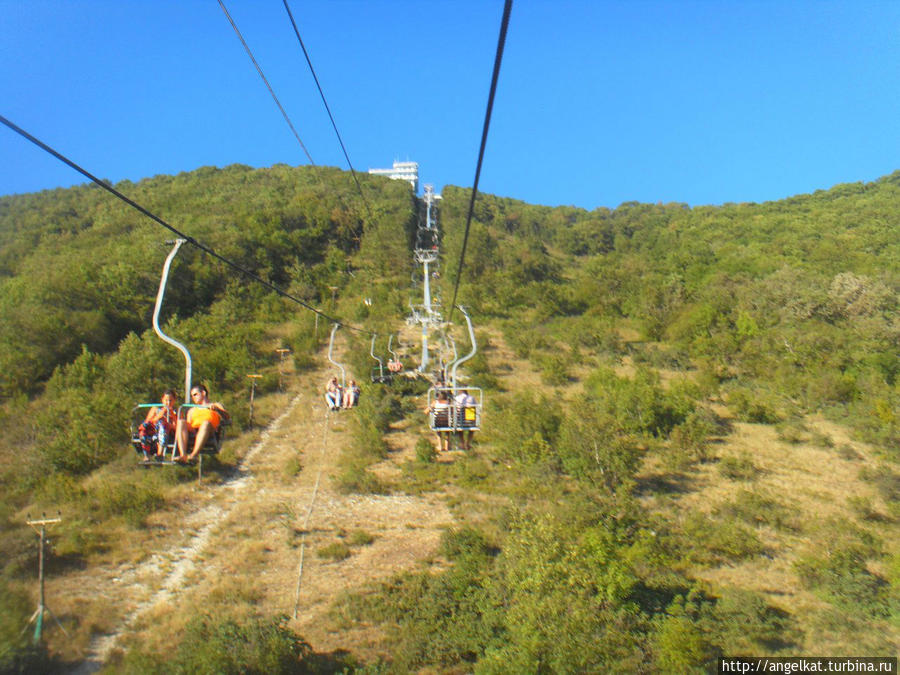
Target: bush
<point x="425" y="451"/>
<point x="738" y="468"/>
<point x="229" y="646"/>
<point x="591" y="447"/>
<point x="335" y="551"/>
<point x="755" y="509"/>
<point x="752" y="407"/>
<point x="688" y="442"/>
<point x="842" y="577"/>
<point x="712" y="541"/>
<point x="132" y="499"/>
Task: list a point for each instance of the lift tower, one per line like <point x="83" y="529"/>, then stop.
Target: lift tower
<point x="426" y="254"/>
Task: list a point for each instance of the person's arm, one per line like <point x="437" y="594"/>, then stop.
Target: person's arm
<point x="153" y="415"/>
<point x="218" y="407"/>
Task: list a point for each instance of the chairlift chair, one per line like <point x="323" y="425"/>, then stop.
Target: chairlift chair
<point x="139" y="411"/>
<point x="379" y="374"/>
<point x="457" y="417"/>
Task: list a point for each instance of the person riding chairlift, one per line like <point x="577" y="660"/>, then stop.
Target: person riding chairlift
<point x="200" y="424"/>
<point x="439" y="410"/>
<point x="159" y="426"/>
<point x="333" y="395"/>
<point x="351" y="395"/>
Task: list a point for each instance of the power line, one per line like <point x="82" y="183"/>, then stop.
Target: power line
<point x="501" y="41"/>
<point x="280" y="107"/>
<point x="180" y="234"/>
<point x="327" y="108"/>
<point x="268" y="86"/>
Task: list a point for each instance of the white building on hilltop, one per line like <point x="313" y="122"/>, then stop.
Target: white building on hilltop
<point x="408" y="171"/>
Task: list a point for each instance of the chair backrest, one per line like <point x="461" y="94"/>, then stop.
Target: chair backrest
<point x="456" y="416"/>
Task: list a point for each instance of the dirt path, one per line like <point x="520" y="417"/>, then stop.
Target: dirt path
<point x="242" y="543"/>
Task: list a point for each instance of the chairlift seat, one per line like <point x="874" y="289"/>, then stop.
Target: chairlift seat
<point x="455" y="417"/>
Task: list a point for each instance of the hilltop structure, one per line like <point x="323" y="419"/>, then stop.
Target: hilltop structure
<point x="408" y="171"/>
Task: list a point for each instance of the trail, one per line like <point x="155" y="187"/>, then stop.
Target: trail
<point x="246" y="542"/>
<point x="184" y="557"/>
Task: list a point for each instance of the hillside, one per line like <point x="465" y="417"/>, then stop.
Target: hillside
<point x="690" y="445"/>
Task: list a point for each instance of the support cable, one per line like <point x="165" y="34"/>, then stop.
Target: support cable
<point x="180" y="234"/>
<point x="501" y="41"/>
<point x="268" y="86"/>
<point x="327" y="108"/>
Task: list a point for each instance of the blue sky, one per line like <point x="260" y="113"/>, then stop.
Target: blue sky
<point x="599" y="102"/>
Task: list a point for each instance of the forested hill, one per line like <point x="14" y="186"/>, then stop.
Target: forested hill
<point x="789" y="300"/>
<point x="79" y="267"/>
<point x="658" y="378"/>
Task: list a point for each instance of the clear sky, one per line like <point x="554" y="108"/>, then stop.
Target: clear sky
<point x="599" y="102"/>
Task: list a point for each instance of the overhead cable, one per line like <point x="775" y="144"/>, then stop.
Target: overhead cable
<point x="327" y="108"/>
<point x="501" y="41"/>
<point x="180" y="234"/>
<point x="268" y="86"/>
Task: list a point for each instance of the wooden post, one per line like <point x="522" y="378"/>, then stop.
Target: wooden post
<point x="281" y="352"/>
<point x="253" y="378"/>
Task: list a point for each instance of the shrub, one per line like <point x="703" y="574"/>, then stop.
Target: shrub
<point x="639" y="405"/>
<point x="713" y="541"/>
<point x="591" y="447"/>
<point x="688" y="442"/>
<point x="792" y="431"/>
<point x="425" y="451"/>
<point x="841" y="576"/>
<point x="756" y="509"/>
<point x="133" y="500"/>
<point x="738" y="468"/>
<point x="231" y="647"/>
<point x="360" y="538"/>
<point x="335" y="551"/>
<point x="752" y="407"/>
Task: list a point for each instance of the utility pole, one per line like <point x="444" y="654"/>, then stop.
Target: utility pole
<point x="38" y="617"/>
<point x="253" y="378"/>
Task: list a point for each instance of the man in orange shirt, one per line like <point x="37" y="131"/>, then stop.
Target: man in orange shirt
<point x="201" y="422"/>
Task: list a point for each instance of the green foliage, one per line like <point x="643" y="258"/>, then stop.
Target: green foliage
<point x="639" y="405"/>
<point x="17" y="653"/>
<point x="592" y="446"/>
<point x="842" y="576"/>
<point x="756" y="509"/>
<point x="336" y="551"/>
<point x="740" y="467"/>
<point x="425" y="452"/>
<point x="223" y="645"/>
<point x="130" y="498"/>
<point x="530" y="427"/>
<point x="715" y="541"/>
<point x="689" y="441"/>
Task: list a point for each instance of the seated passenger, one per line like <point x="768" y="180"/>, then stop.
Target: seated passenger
<point x="351" y="396"/>
<point x="200" y="424"/>
<point x="439" y="411"/>
<point x="333" y="395"/>
<point x="394" y="366"/>
<point x="159" y="427"/>
<point x="466" y="417"/>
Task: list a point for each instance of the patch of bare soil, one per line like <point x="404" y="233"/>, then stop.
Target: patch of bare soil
<point x="256" y="543"/>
